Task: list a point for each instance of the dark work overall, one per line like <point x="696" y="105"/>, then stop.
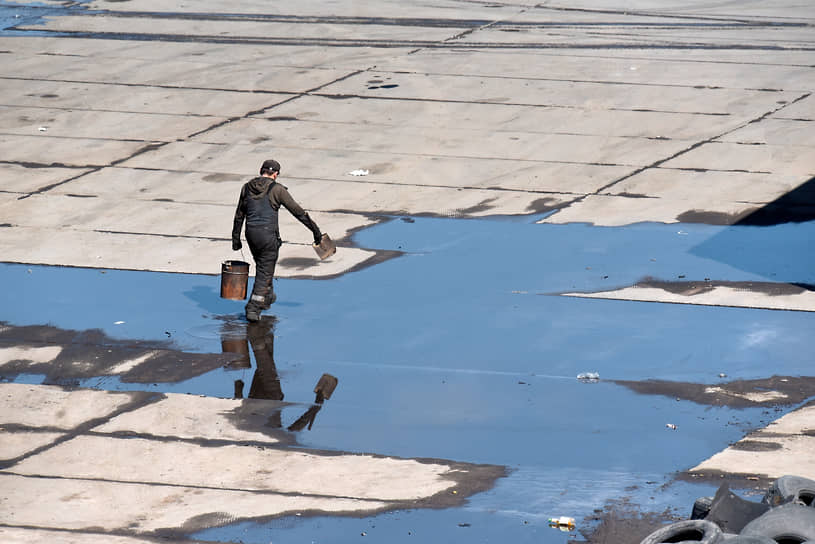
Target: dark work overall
<point x="263" y="236"/>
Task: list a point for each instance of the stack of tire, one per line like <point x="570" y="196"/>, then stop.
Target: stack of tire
<point x="786" y="515"/>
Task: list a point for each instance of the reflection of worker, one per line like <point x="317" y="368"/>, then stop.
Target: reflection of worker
<point x="266" y="381"/>
<point x="259" y="203"/>
<point x="311" y="413"/>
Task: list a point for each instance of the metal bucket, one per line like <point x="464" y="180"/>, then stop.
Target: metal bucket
<point x="234" y="279"/>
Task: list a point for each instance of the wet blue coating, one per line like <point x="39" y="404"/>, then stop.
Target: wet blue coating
<point x="458" y="350"/>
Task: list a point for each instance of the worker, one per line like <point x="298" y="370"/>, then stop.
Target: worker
<point x="259" y="203"/>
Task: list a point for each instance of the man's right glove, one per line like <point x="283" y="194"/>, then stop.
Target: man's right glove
<point x="236" y="244"/>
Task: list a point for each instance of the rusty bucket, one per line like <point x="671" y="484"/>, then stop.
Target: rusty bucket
<point x="234" y="279"/>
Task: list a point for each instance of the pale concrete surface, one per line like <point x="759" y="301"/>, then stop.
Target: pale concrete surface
<point x="138" y="463"/>
<point x="34" y="536"/>
<point x="124" y="145"/>
<point x="715" y="296"/>
<point x="783" y="447"/>
<point x="512" y="108"/>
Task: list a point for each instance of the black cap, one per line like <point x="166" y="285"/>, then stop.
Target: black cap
<point x="270" y="166"/>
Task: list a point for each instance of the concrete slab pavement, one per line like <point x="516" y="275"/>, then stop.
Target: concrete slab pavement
<point x="578" y="127"/>
<point x="170" y="466"/>
<point x="783" y="447"/>
<point x="154" y="114"/>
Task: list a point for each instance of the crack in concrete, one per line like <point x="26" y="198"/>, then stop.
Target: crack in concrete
<point x="28" y="164"/>
<point x="345" y="96"/>
<point x="105" y="110"/>
<point x="138" y="400"/>
<point x="437" y="22"/>
<point x="696" y="145"/>
<point x="202" y="487"/>
<point x="144" y="85"/>
<point x="394" y="44"/>
<point x="37" y="529"/>
<point x="265" y="109"/>
<point x="735" y="21"/>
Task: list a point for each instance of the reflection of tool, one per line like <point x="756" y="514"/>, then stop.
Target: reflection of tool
<point x="325" y="249"/>
<point x="323" y="390"/>
<point x="325" y="386"/>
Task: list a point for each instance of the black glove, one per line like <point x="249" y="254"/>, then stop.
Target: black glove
<point x="317" y="239"/>
<point x="236" y="244"/>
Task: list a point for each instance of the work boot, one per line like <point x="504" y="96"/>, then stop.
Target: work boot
<point x="252" y="314"/>
<point x="270" y="298"/>
<point x="255" y="305"/>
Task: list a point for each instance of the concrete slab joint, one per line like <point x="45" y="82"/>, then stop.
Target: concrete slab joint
<point x="142" y="465"/>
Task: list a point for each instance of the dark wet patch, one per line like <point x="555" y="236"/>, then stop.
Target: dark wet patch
<point x="38" y="165"/>
<point x="163" y="200"/>
<point x="6" y="225"/>
<point x="298" y="263"/>
<point x="282" y="118"/>
<point x="91" y="353"/>
<point x="691" y="288"/>
<point x="80" y="196"/>
<point x="379" y="257"/>
<point x="544" y="205"/>
<point x="793" y="390"/>
<point x="622" y="522"/>
<point x="222" y="177"/>
<point x="632" y="195"/>
<point x="754" y="445"/>
<point x="481" y="207"/>
<point x="736" y="480"/>
<point x="712" y="218"/>
<point x="381" y="168"/>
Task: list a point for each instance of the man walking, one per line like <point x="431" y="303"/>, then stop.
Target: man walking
<point x="259" y="203"/>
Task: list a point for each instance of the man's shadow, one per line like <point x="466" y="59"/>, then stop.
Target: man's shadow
<point x="266" y="381"/>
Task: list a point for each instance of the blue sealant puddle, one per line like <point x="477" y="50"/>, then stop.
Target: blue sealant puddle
<point x="512" y="512"/>
<point x="34" y="13"/>
<point x="453" y="351"/>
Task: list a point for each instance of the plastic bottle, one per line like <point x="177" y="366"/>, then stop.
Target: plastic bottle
<point x="588" y="377"/>
<point x="563" y="523"/>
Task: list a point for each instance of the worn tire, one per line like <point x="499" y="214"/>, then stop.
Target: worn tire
<point x="789" y="523"/>
<point x="701" y="507"/>
<point x="745" y="539"/>
<point x="693" y="530"/>
<point x="790" y="489"/>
